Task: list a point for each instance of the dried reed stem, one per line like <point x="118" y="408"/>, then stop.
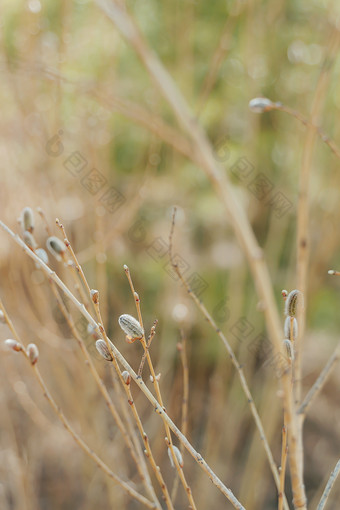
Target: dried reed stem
<point x="329" y="485"/>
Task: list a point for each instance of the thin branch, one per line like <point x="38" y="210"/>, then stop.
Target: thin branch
<point x="328" y="488"/>
<point x="282" y="470"/>
<point x="69" y="428"/>
<point x="233" y="358"/>
<point x="158" y="408"/>
<point x="308" y="123"/>
<point x="206" y="159"/>
<point x="168" y="439"/>
<point x="320" y="382"/>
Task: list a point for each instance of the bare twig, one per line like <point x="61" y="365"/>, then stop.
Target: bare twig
<point x="320" y="382"/>
<point x="158" y="408"/>
<point x="282" y="470"/>
<point x="69" y="428"/>
<point x="168" y="439"/>
<point x="329" y="485"/>
<point x="233" y="358"/>
<point x="148" y="344"/>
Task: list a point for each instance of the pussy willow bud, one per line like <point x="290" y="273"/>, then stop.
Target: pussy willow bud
<point x="2" y="317"/>
<point x="92" y="330"/>
<point x="13" y="344"/>
<point x="126" y="377"/>
<point x="95" y="296"/>
<point x="32" y="353"/>
<point x="56" y="247"/>
<point x="41" y="253"/>
<point x="178" y="456"/>
<point x="293" y="300"/>
<point x="103" y="349"/>
<point x="291" y="330"/>
<point x="289" y="348"/>
<point x="27" y="220"/>
<point x="130" y="326"/>
<point x="260" y="105"/>
<point x="29" y="240"/>
<point x="284" y="293"/>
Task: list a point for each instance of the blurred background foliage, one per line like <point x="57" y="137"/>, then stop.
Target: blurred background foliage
<point x="72" y="88"/>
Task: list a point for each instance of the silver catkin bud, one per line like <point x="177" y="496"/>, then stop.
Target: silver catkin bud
<point x="291" y="330"/>
<point x="29" y="240"/>
<point x="178" y="456"/>
<point x="103" y="350"/>
<point x="56" y="247"/>
<point x="27" y="220"/>
<point x="293" y="300"/>
<point x="130" y="326"/>
<point x="41" y="253"/>
<point x="126" y="377"/>
<point x="289" y="348"/>
<point x="260" y="104"/>
<point x="13" y="344"/>
<point x="2" y="317"/>
<point x="32" y="353"/>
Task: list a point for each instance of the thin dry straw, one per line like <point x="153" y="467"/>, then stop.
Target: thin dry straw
<point x="197" y="456"/>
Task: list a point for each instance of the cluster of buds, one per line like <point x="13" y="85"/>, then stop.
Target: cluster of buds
<point x="31" y="351"/>
<point x="26" y="221"/>
<point x="292" y="301"/>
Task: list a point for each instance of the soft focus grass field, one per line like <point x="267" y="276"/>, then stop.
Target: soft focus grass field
<point x="86" y="135"/>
